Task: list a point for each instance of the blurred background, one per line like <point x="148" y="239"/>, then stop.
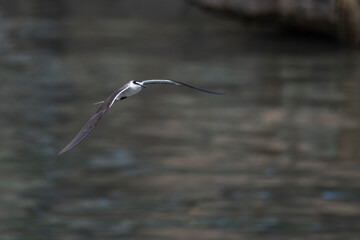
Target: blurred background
<point x="275" y="158"/>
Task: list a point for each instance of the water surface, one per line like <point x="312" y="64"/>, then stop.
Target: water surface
<point x="276" y="158"/>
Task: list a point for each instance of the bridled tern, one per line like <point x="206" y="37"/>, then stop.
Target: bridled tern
<point x="129" y="89"/>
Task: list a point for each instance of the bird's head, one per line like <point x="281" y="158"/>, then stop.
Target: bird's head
<point x="139" y="83"/>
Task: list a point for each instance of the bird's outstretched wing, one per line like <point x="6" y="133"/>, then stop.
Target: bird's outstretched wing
<point x="166" y="81"/>
<point x="91" y="124"/>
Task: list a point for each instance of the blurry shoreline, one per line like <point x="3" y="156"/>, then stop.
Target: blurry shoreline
<point x="332" y="19"/>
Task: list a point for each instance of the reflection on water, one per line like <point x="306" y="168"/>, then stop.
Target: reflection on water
<point x="277" y="157"/>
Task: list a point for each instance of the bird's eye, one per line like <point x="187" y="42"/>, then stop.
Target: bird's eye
<point x="135" y="82"/>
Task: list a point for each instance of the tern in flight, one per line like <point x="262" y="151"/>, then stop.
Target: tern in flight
<point x="129" y="89"/>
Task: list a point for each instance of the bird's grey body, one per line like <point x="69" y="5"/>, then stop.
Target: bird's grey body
<point x="129" y="89"/>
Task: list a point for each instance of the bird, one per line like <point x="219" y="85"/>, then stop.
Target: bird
<point x="129" y="89"/>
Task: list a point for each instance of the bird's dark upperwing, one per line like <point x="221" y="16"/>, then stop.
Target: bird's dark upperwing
<point x="91" y="124"/>
<point x="166" y="81"/>
<point x="200" y="89"/>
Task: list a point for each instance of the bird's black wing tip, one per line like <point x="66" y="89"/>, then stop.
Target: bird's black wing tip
<point x="199" y="89"/>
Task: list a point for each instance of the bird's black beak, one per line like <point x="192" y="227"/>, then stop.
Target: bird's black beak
<point x="143" y="86"/>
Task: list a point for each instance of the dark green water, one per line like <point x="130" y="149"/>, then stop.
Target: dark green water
<point x="276" y="158"/>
